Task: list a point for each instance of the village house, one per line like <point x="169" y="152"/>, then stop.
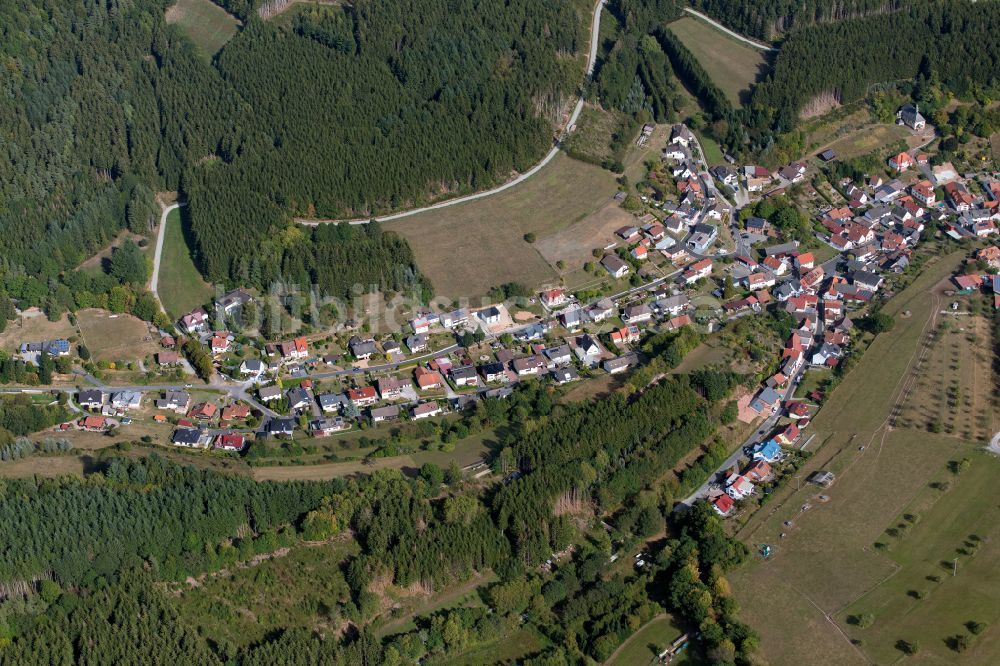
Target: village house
<point x="671" y="305"/>
<point x="195" y="321"/>
<point x="94" y="423"/>
<point x="427" y="379"/>
<point x="490" y="316"/>
<point x="766" y="401"/>
<point x="697" y="271"/>
<point x="558" y="355"/>
<point x="327" y="426"/>
<point x="269" y="393"/>
<point x="530" y="365"/>
<point x="425" y="410"/>
<point x="92" y="399"/>
<point x="190" y="438"/>
<point x="380" y="414"/>
<point x="627" y="233"/>
<point x="298" y="398"/>
<point x="252" y="367"/>
<point x="494" y="372"/>
<point x="231" y="302"/>
<point x="636" y="314"/>
<point x="573" y="318"/>
<point x="603" y="309"/>
<point x="924" y="192"/>
<point x="739" y="487"/>
<point x="759" y="471"/>
<point x="622" y="363"/>
<point x="416" y="343"/>
<point x="391" y="388"/>
<point x="625" y="336"/>
<point x="464" y="375"/>
<point x="614" y="265"/>
<point x="640" y="253"/>
<point x="553" y="298"/>
<point x="565" y="375"/>
<point x="294" y="349"/>
<point x="901" y="162"/>
<point x="677" y="322"/>
<point x="680" y="134"/>
<point x="219" y="343"/>
<point x="588" y="350"/>
<point x="168" y="358"/>
<point x="234" y="412"/>
<point x="176" y="401"/>
<point x="203" y="411"/>
<point x="723" y="505"/>
<point x="455" y="319"/>
<point x="958" y="196"/>
<point x="234" y="442"/>
<point x="361" y="349"/>
<point x="331" y="403"/>
<point x="362" y="397"/>
<point x="123" y="401"/>
<point x="280" y="427"/>
<point x="990" y="256"/>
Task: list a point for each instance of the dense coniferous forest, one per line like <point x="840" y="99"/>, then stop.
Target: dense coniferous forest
<point x="770" y="18"/>
<point x="951" y="44"/>
<point x="347" y="111"/>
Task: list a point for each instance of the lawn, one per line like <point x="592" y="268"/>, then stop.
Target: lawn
<point x="181" y="287"/>
<point x="713" y="153"/>
<point x="643" y="646"/>
<point x="205" y="23"/>
<point x="731" y="64"/>
<point x="468" y="248"/>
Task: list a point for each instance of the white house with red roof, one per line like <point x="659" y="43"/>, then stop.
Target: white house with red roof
<point x="901" y="162"/>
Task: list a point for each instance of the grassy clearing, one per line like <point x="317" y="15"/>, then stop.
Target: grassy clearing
<point x="639" y="648"/>
<point x="205" y="23"/>
<point x="732" y="64"/>
<point x="304" y="587"/>
<point x="574" y="246"/>
<point x="468" y="248"/>
<point x="115" y="337"/>
<point x="508" y="650"/>
<point x="713" y="153"/>
<point x="710" y="352"/>
<point x="868" y="139"/>
<point x="181" y="287"/>
<point x="592" y="137"/>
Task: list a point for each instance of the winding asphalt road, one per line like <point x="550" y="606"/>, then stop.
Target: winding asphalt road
<point x="595" y="29"/>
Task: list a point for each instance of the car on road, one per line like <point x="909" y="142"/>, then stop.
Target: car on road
<point x="188" y="385"/>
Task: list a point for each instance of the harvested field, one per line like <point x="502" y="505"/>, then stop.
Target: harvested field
<point x="468" y="248"/>
<point x="575" y="244"/>
<point x="111" y="337"/>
